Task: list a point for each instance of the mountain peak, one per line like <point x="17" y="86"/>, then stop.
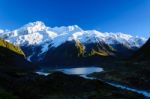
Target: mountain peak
<point x="1" y="31"/>
<point x="74" y="27"/>
<point x="67" y="29"/>
<point x="34" y="26"/>
<point x="36" y="23"/>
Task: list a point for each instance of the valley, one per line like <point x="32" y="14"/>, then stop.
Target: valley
<point x="41" y="62"/>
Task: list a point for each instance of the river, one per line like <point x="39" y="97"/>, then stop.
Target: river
<point x="84" y="71"/>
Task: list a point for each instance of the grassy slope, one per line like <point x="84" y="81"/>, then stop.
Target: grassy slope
<point x="75" y="53"/>
<point x="11" y="47"/>
<point x="12" y="58"/>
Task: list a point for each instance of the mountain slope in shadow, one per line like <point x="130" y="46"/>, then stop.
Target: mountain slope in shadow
<point x="144" y="52"/>
<point x="12" y="58"/>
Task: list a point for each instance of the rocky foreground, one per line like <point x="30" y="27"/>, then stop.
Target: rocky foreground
<point x="58" y="86"/>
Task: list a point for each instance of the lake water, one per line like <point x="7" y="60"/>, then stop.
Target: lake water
<point x="74" y="71"/>
<point x="81" y="70"/>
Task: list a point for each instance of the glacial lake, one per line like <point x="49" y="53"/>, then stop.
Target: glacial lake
<point x="73" y="71"/>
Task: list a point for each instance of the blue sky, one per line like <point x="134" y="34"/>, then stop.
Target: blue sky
<point x="128" y="16"/>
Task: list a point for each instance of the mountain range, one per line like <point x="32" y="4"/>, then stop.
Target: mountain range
<point x="68" y="45"/>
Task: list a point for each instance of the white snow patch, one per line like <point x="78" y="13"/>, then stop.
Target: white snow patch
<point x="29" y="58"/>
<point x="44" y="49"/>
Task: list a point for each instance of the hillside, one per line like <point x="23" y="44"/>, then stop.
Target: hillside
<point x="75" y="53"/>
<point x="144" y="52"/>
<point x="12" y="58"/>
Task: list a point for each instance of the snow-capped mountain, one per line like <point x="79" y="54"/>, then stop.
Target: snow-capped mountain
<point x="37" y="33"/>
<point x="36" y="38"/>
